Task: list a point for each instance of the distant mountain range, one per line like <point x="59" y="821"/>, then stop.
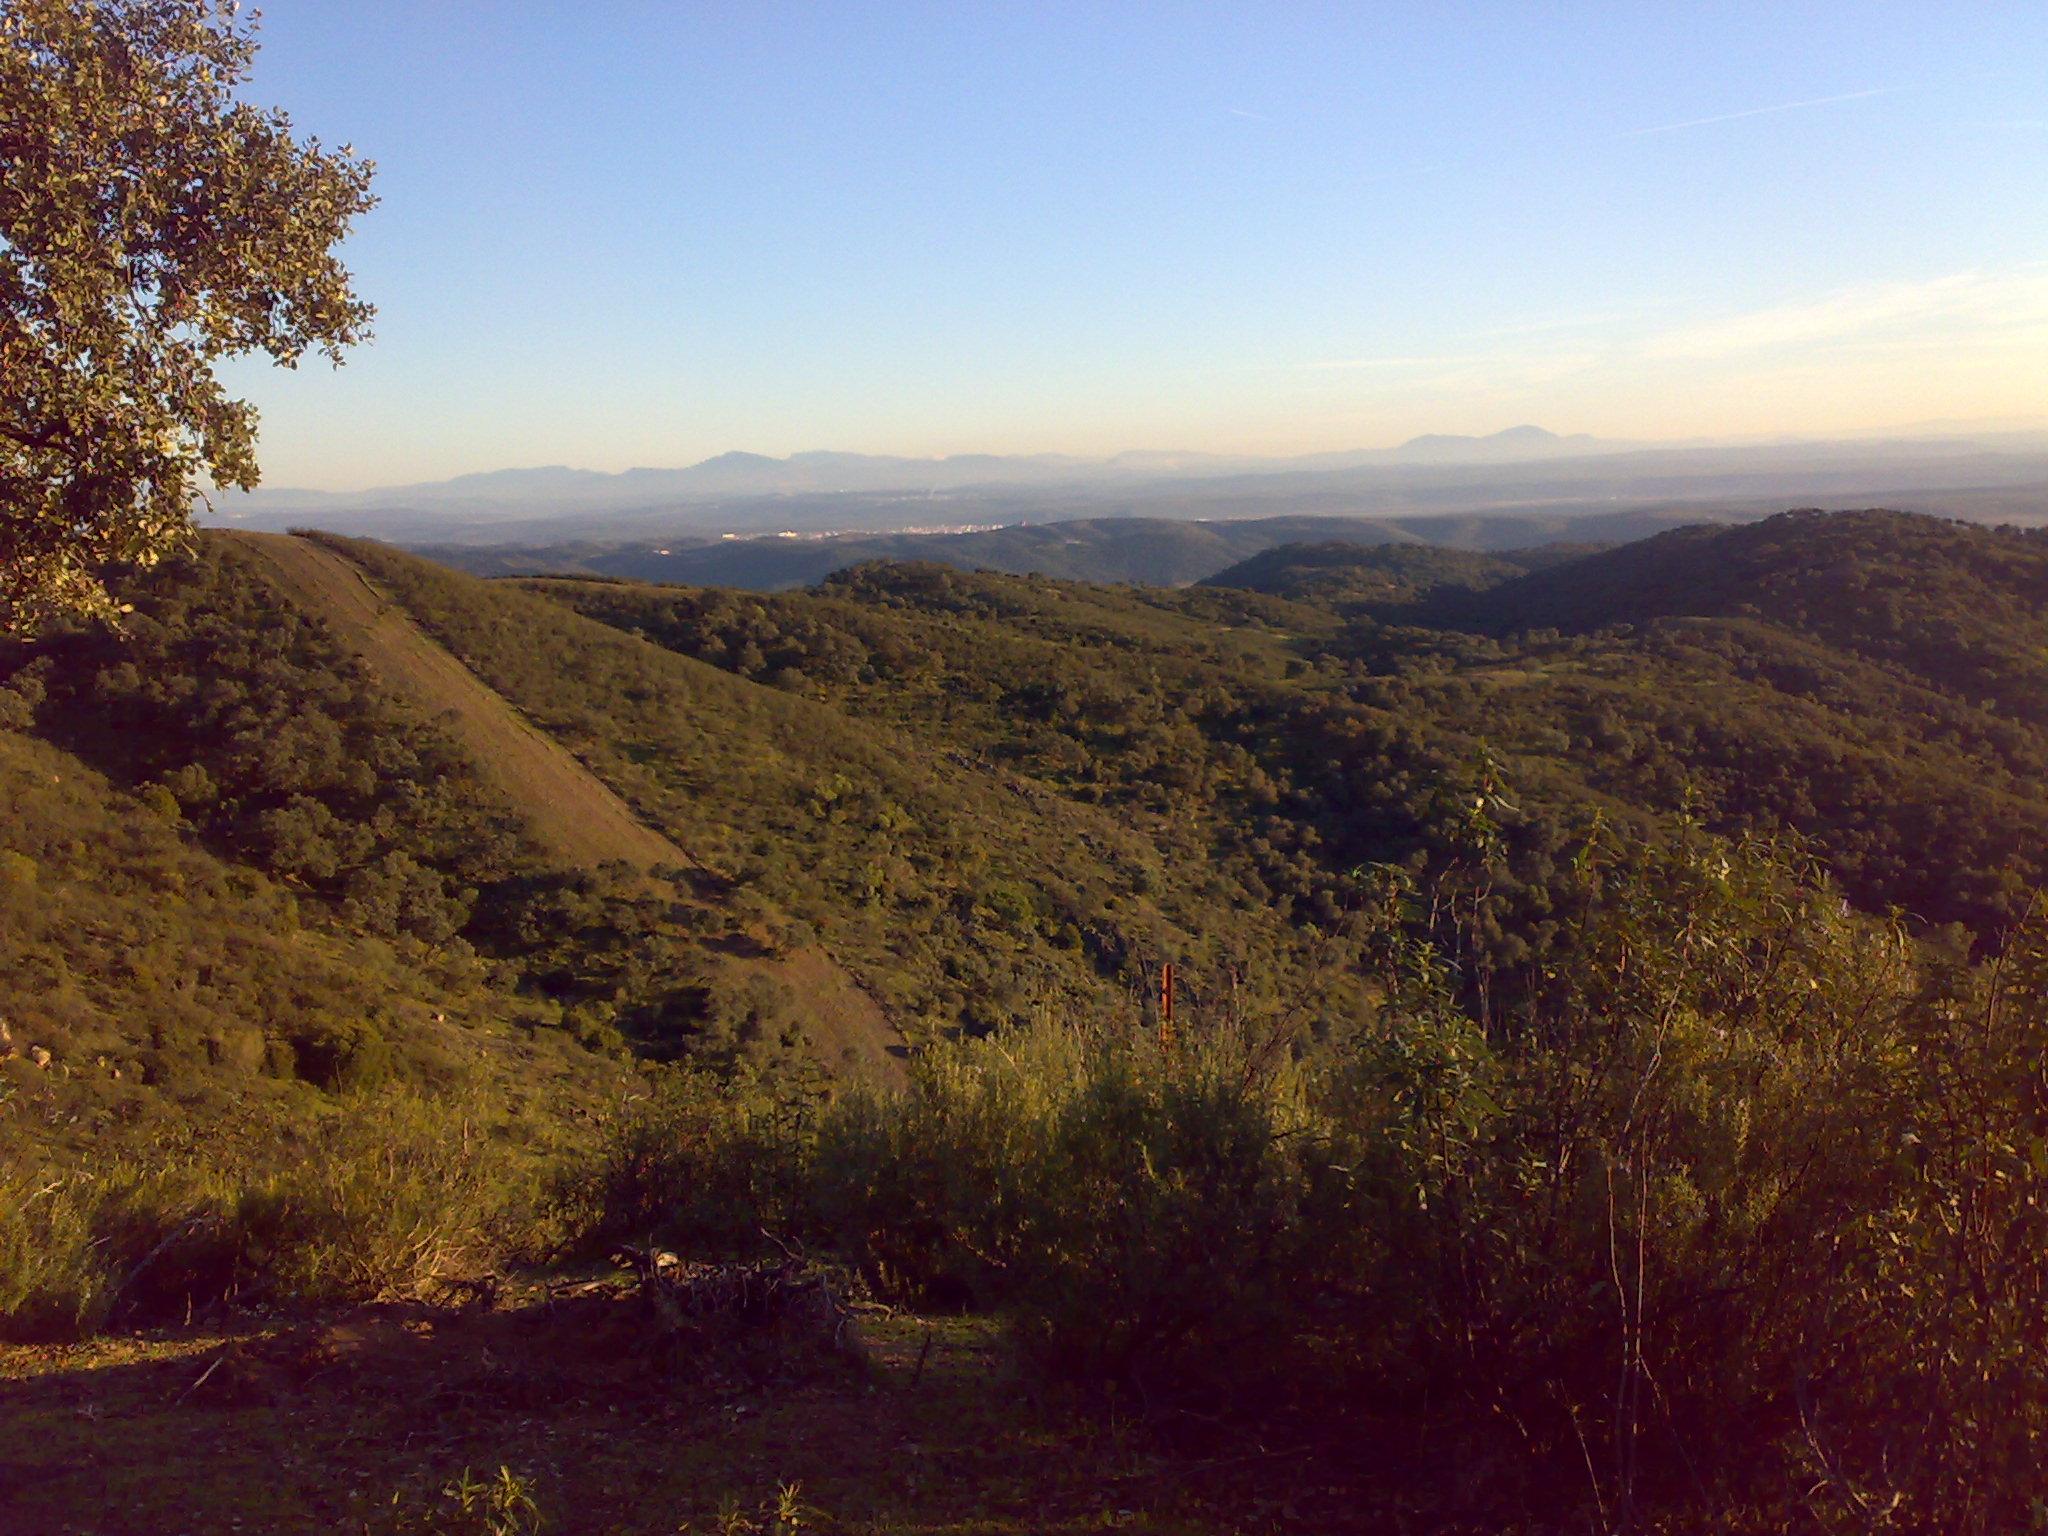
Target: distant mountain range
<point x="754" y="474"/>
<point x="1516" y="443"/>
<point x="1525" y="471"/>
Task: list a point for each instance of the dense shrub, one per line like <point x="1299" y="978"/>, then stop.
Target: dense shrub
<point x="698" y="1160"/>
<point x="1136" y="1210"/>
<point x="1742" y="1212"/>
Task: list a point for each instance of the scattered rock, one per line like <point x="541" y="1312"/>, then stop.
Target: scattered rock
<point x="792" y="1296"/>
<point x="39" y="1056"/>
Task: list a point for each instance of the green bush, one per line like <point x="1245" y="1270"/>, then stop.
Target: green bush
<point x="342" y="1057"/>
<point x="1740" y="1211"/>
<point x="1136" y="1210"/>
<point x="698" y="1161"/>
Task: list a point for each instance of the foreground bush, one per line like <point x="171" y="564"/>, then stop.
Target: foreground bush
<point x="395" y="1201"/>
<point x="1743" y="1210"/>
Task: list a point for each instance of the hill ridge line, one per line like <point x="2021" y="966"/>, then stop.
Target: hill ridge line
<point x="569" y="810"/>
<point x="572" y="813"/>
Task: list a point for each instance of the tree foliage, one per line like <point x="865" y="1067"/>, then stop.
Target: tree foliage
<point x="152" y="224"/>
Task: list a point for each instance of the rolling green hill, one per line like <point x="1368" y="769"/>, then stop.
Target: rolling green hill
<point x="371" y="931"/>
<point x="916" y="801"/>
<point x="1861" y="679"/>
<point x="1961" y="606"/>
<point x="1388" y="575"/>
<point x="967" y="893"/>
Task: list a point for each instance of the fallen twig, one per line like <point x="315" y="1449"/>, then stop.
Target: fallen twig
<point x="203" y="1375"/>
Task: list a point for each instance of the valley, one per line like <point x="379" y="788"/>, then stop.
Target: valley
<point x="625" y="845"/>
<point x="1022" y="771"/>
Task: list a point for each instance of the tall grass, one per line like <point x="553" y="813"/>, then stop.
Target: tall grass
<point x="1740" y="1211"/>
<point x="52" y="1284"/>
<point x="393" y="1200"/>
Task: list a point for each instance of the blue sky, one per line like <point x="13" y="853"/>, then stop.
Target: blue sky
<point x="616" y="234"/>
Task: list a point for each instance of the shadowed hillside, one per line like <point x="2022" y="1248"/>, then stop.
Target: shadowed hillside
<point x="363" y="966"/>
<point x="1963" y="606"/>
<point x="1389" y="576"/>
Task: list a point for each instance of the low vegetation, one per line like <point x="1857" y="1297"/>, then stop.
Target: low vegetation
<point x="1602" y="1086"/>
<point x="1741" y="1215"/>
<point x="400" y="1200"/>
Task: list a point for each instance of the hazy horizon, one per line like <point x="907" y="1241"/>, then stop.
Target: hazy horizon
<point x="643" y="235"/>
<point x="1194" y="462"/>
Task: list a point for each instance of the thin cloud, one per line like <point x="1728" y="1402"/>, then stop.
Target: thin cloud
<point x="1257" y="117"/>
<point x="1957" y="304"/>
<point x="1736" y="117"/>
<point x="1973" y="314"/>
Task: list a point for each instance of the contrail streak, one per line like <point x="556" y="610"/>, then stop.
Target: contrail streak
<point x="1731" y="117"/>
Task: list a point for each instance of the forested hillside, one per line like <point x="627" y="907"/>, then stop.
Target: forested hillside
<point x="1862" y="679"/>
<point x="998" y="799"/>
<point x="1385" y="575"/>
<point x="228" y="725"/>
<point x="968" y="892"/>
<point x="1521" y="908"/>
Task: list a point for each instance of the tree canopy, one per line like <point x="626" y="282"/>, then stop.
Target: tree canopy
<point x="151" y="225"/>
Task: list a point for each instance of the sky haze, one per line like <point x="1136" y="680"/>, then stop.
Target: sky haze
<point x="621" y="234"/>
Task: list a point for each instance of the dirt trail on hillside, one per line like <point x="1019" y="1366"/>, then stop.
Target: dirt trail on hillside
<point x="574" y="816"/>
<point x="570" y="812"/>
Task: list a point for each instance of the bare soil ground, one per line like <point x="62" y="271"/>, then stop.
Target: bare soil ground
<point x="848" y="1030"/>
<point x="314" y="1428"/>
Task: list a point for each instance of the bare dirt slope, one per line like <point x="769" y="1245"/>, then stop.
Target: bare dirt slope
<point x="571" y="813"/>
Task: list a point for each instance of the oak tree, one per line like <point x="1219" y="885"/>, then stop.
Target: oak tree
<point x="152" y="224"/>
